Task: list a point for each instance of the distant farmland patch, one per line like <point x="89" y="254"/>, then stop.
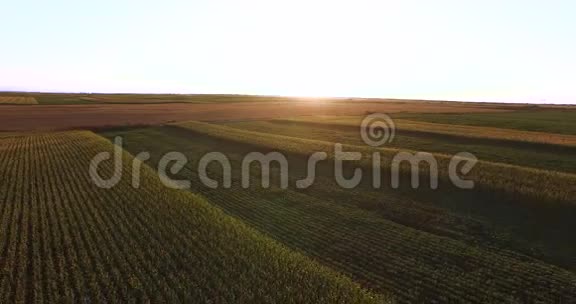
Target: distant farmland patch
<point x="454" y="130"/>
<point x="93" y="115"/>
<point x="17" y="100"/>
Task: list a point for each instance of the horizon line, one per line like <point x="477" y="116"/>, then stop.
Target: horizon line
<point x="293" y="96"/>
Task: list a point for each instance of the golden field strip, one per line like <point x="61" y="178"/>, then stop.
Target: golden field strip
<point x="17" y="100"/>
<point x="536" y="183"/>
<point x="453" y="130"/>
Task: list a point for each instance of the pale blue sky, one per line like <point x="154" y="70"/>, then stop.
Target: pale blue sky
<point x="509" y="50"/>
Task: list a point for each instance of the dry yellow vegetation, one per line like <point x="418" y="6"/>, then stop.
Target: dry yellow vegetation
<point x="17" y="100"/>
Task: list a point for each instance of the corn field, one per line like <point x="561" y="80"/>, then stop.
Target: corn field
<point x="477" y="132"/>
<point x="383" y="255"/>
<point x="516" y="180"/>
<point x="64" y="240"/>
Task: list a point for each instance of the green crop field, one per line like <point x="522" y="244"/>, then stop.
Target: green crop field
<point x="64" y="240"/>
<point x="515" y="180"/>
<point x="452" y="131"/>
<point x="420" y="246"/>
<point x="545" y="156"/>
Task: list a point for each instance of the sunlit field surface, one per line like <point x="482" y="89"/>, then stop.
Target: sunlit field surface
<point x="64" y="239"/>
<point x="421" y="245"/>
<point x="451" y="130"/>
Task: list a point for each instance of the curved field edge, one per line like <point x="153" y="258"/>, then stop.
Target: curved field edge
<point x="535" y="183"/>
<point x="65" y="239"/>
<point x="463" y="131"/>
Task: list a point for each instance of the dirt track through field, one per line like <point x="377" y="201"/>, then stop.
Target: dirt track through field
<point x="61" y="117"/>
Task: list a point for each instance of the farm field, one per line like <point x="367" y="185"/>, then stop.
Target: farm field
<point x="288" y="152"/>
<point x="529" y="218"/>
<point x="85" y="98"/>
<point x="183" y="98"/>
<point x="388" y="241"/>
<point x="524" y="196"/>
<point x="66" y="240"/>
<point x="550" y="120"/>
<point x="514" y="180"/>
<point x="518" y="152"/>
<point x="110" y="98"/>
<point x="9" y="134"/>
<point x="99" y="116"/>
<point x="477" y="133"/>
<point x="17" y="100"/>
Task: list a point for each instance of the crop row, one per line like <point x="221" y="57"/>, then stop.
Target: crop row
<point x="63" y="239"/>
<point x="453" y="130"/>
<point x="534" y="183"/>
<point x="414" y="265"/>
<point x="541" y="156"/>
